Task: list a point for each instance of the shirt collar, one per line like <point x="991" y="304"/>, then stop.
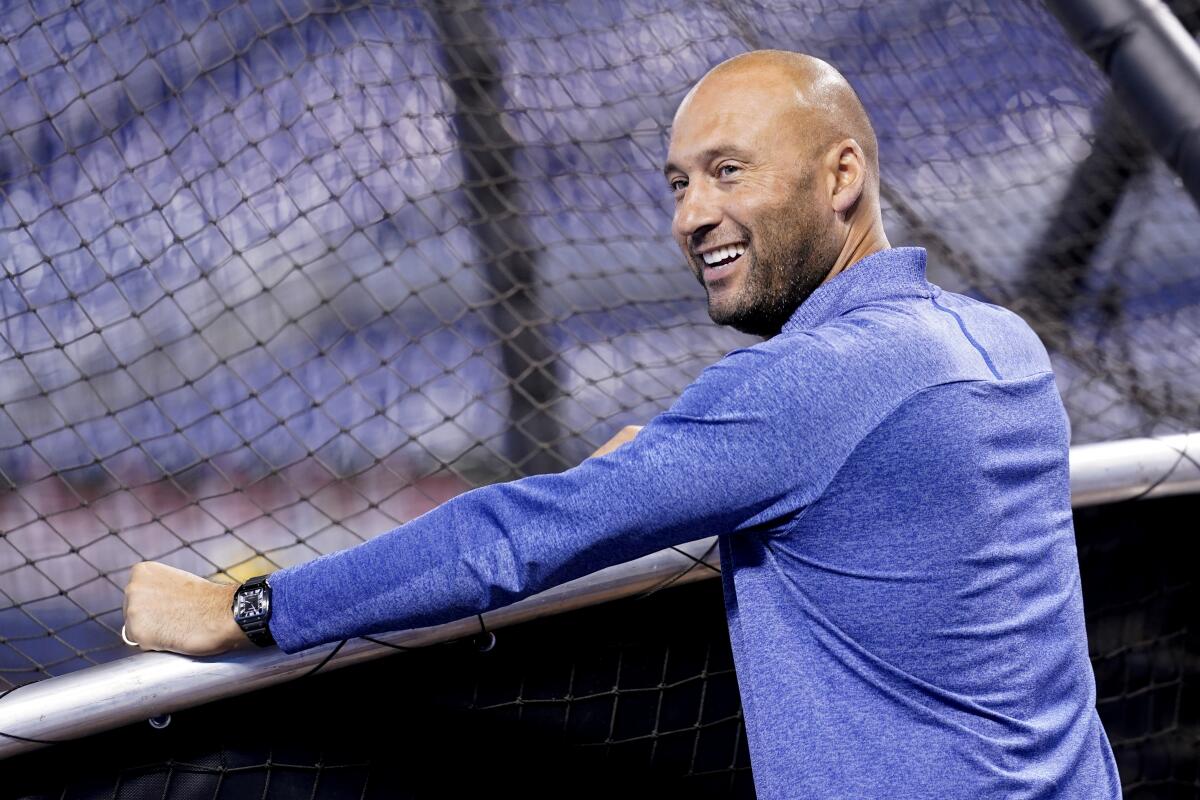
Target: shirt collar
<point x="894" y="272"/>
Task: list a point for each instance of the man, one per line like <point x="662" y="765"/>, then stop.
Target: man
<point x="886" y="471"/>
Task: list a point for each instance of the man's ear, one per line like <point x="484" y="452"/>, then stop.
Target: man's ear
<point x="847" y="171"/>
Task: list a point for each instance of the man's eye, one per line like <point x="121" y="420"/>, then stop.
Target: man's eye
<point x="678" y="185"/>
<point x="728" y="169"/>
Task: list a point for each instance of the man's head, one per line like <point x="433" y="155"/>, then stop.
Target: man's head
<point x="772" y="157"/>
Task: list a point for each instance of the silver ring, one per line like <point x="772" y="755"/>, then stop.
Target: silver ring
<point x="126" y="638"/>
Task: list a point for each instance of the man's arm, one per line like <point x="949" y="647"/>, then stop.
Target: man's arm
<point x="167" y="608"/>
<point x="746" y="447"/>
<point x="743" y="450"/>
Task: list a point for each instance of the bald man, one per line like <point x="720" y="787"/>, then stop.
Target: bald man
<point x="810" y="192"/>
<point x="886" y="473"/>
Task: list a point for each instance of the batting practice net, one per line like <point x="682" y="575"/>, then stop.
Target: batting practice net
<point x="282" y="275"/>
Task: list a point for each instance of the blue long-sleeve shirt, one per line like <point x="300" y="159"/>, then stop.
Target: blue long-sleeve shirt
<point x="888" y="481"/>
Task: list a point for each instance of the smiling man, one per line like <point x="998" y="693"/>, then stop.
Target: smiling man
<point x="753" y="211"/>
<point x="886" y="473"/>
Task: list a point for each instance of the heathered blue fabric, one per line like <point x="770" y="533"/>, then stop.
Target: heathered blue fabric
<point x="888" y="481"/>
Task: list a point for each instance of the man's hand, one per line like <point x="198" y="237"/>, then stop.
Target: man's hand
<point x="170" y="609"/>
<point x="624" y="435"/>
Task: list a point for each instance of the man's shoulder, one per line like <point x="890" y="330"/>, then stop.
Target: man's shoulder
<point x="942" y="335"/>
<point x="852" y="358"/>
<point x="880" y="351"/>
<point x="1012" y="346"/>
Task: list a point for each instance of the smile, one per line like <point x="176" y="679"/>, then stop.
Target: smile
<point x="721" y="262"/>
<point x="723" y="255"/>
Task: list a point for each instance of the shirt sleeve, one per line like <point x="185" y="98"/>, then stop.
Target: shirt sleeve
<point x="745" y="447"/>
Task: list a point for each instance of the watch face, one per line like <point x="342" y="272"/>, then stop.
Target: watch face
<point x="251" y="603"/>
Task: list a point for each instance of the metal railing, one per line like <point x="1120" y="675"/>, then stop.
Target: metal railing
<point x="151" y="685"/>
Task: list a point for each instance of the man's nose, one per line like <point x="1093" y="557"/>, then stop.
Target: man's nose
<point x="697" y="212"/>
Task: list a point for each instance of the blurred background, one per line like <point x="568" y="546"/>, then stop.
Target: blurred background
<point x="281" y="275"/>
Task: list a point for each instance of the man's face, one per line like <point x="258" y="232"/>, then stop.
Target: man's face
<point x="748" y="211"/>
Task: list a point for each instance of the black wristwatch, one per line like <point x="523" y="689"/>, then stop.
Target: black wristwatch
<point x="252" y="610"/>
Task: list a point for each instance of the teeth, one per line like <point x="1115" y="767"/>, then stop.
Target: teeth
<point x="723" y="254"/>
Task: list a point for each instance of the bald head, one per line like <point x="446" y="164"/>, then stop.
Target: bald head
<point x="815" y="102"/>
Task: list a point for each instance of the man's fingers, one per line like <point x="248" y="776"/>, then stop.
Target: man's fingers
<point x="624" y="435"/>
<point x="127" y="635"/>
<point x="132" y="635"/>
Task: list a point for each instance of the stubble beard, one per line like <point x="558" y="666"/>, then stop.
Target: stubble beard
<point x="788" y="261"/>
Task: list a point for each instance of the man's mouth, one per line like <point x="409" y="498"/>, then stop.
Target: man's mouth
<point x="721" y="261"/>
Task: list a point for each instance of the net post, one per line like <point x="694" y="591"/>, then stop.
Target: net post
<point x="1153" y="63"/>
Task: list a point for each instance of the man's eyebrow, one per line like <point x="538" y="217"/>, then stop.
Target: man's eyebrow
<point x="709" y="155"/>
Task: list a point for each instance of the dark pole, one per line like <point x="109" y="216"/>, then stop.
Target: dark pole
<point x="1057" y="269"/>
<point x="506" y="247"/>
<point x="1154" y="66"/>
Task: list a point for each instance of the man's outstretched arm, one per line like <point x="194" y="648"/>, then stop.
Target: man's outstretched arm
<point x="745" y="448"/>
<point x="167" y="608"/>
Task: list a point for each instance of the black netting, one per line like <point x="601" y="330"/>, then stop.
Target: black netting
<point x="281" y="275"/>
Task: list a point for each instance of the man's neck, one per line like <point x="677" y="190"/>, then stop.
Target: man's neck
<point x="859" y="245"/>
